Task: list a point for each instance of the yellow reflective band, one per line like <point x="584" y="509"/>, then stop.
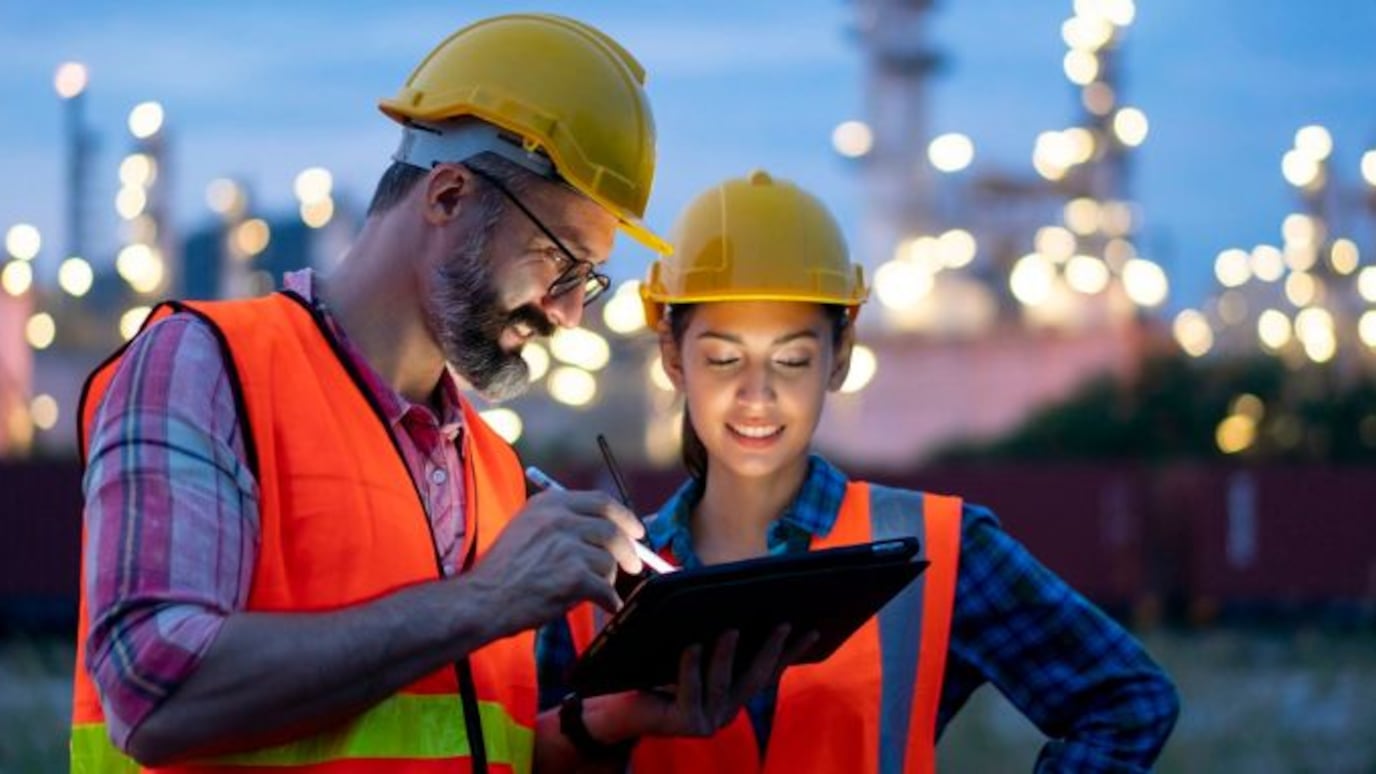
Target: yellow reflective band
<point x="92" y="752"/>
<point x="406" y="726"/>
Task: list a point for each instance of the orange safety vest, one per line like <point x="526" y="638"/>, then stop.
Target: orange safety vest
<point x="870" y="707"/>
<point x="342" y="523"/>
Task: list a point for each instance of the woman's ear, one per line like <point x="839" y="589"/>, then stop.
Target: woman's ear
<point x="670" y="354"/>
<point x="840" y="368"/>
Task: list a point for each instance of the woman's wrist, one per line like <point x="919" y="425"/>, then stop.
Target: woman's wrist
<point x="600" y="727"/>
<point x="616" y="718"/>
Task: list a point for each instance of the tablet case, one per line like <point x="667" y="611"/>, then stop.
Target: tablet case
<point x="832" y="592"/>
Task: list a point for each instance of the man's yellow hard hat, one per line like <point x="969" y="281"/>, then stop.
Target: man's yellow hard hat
<point x="754" y="239"/>
<point x="557" y="89"/>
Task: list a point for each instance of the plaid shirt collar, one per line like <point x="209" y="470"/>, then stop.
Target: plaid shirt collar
<point x="395" y="408"/>
<point x="811" y="514"/>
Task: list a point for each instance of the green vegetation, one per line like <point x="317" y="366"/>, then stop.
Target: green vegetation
<point x="35" y="704"/>
<point x="1253" y="700"/>
<point x="1173" y="409"/>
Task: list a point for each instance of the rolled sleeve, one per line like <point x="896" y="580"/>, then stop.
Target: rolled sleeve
<point x="1085" y="681"/>
<point x="171" y="519"/>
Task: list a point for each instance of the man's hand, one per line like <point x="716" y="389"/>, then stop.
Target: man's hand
<point x="249" y="687"/>
<point x="562" y="548"/>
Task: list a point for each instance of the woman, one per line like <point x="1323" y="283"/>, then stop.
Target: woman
<point x="755" y="312"/>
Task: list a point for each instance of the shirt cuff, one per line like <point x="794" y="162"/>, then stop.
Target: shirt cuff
<point x="139" y="659"/>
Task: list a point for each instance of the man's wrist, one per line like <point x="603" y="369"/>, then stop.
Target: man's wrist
<point x="480" y="608"/>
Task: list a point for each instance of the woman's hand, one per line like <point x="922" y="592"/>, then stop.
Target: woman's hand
<point x="706" y="699"/>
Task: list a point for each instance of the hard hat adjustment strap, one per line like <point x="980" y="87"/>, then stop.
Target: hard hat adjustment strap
<point x="425" y="145"/>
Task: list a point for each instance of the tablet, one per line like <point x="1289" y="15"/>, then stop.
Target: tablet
<point x="832" y="592"/>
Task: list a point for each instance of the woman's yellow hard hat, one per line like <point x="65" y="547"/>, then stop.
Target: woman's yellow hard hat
<point x="759" y="239"/>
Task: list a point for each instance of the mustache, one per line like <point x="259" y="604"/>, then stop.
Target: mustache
<point x="532" y="318"/>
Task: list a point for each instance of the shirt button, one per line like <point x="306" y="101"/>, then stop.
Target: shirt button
<point x="438" y="476"/>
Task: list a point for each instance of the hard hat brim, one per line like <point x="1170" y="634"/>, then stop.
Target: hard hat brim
<point x="638" y="231"/>
<point x="632" y="226"/>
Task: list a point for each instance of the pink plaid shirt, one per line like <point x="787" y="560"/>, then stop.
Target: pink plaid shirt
<point x="172" y="508"/>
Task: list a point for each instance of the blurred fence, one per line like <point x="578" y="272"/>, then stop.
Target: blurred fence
<point x="1178" y="539"/>
<point x="40" y="533"/>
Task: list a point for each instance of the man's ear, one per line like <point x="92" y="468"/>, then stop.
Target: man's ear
<point x="840" y="368"/>
<point x="446" y="189"/>
<point x="670" y="354"/>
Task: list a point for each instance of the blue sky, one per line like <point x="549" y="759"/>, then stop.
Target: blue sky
<point x="261" y="90"/>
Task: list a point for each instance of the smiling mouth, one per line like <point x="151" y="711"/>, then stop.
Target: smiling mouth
<point x="755" y="432"/>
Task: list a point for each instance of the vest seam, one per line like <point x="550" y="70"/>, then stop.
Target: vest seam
<point x="86" y="396"/>
<point x="235" y="382"/>
<point x="231" y="372"/>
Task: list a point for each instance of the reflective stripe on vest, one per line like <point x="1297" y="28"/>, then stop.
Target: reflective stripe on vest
<point x="870" y="707"/>
<point x="349" y="494"/>
<point x="915" y="643"/>
<point x="406" y="726"/>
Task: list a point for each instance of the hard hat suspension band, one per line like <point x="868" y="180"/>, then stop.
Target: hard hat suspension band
<point x="425" y="145"/>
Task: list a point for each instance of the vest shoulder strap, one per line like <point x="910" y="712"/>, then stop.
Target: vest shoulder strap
<point x="896" y="513"/>
<point x="914" y="628"/>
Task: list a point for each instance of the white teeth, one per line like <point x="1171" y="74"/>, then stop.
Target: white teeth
<point x="756" y="431"/>
<point x="523" y="330"/>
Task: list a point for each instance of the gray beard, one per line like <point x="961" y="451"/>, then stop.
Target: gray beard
<point x="468" y="319"/>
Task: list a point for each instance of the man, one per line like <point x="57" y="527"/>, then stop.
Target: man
<point x="302" y="547"/>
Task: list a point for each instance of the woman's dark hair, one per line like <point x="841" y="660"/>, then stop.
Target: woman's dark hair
<point x="692" y="451"/>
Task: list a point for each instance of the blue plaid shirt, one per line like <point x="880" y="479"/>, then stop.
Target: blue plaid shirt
<point x="1075" y="673"/>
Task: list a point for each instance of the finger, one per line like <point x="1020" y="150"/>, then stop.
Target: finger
<point x="690" y="681"/>
<point x="598" y="590"/>
<point x="718" y="688"/>
<point x="799" y="648"/>
<point x="607" y="536"/>
<point x="623" y="550"/>
<point x="794" y="654"/>
<point x="622" y="517"/>
<point x="593" y="503"/>
<point x="597" y="532"/>
<point x="596" y="559"/>
<point x="763" y="667"/>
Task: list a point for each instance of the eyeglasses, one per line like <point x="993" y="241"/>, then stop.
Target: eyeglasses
<point x="576" y="272"/>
